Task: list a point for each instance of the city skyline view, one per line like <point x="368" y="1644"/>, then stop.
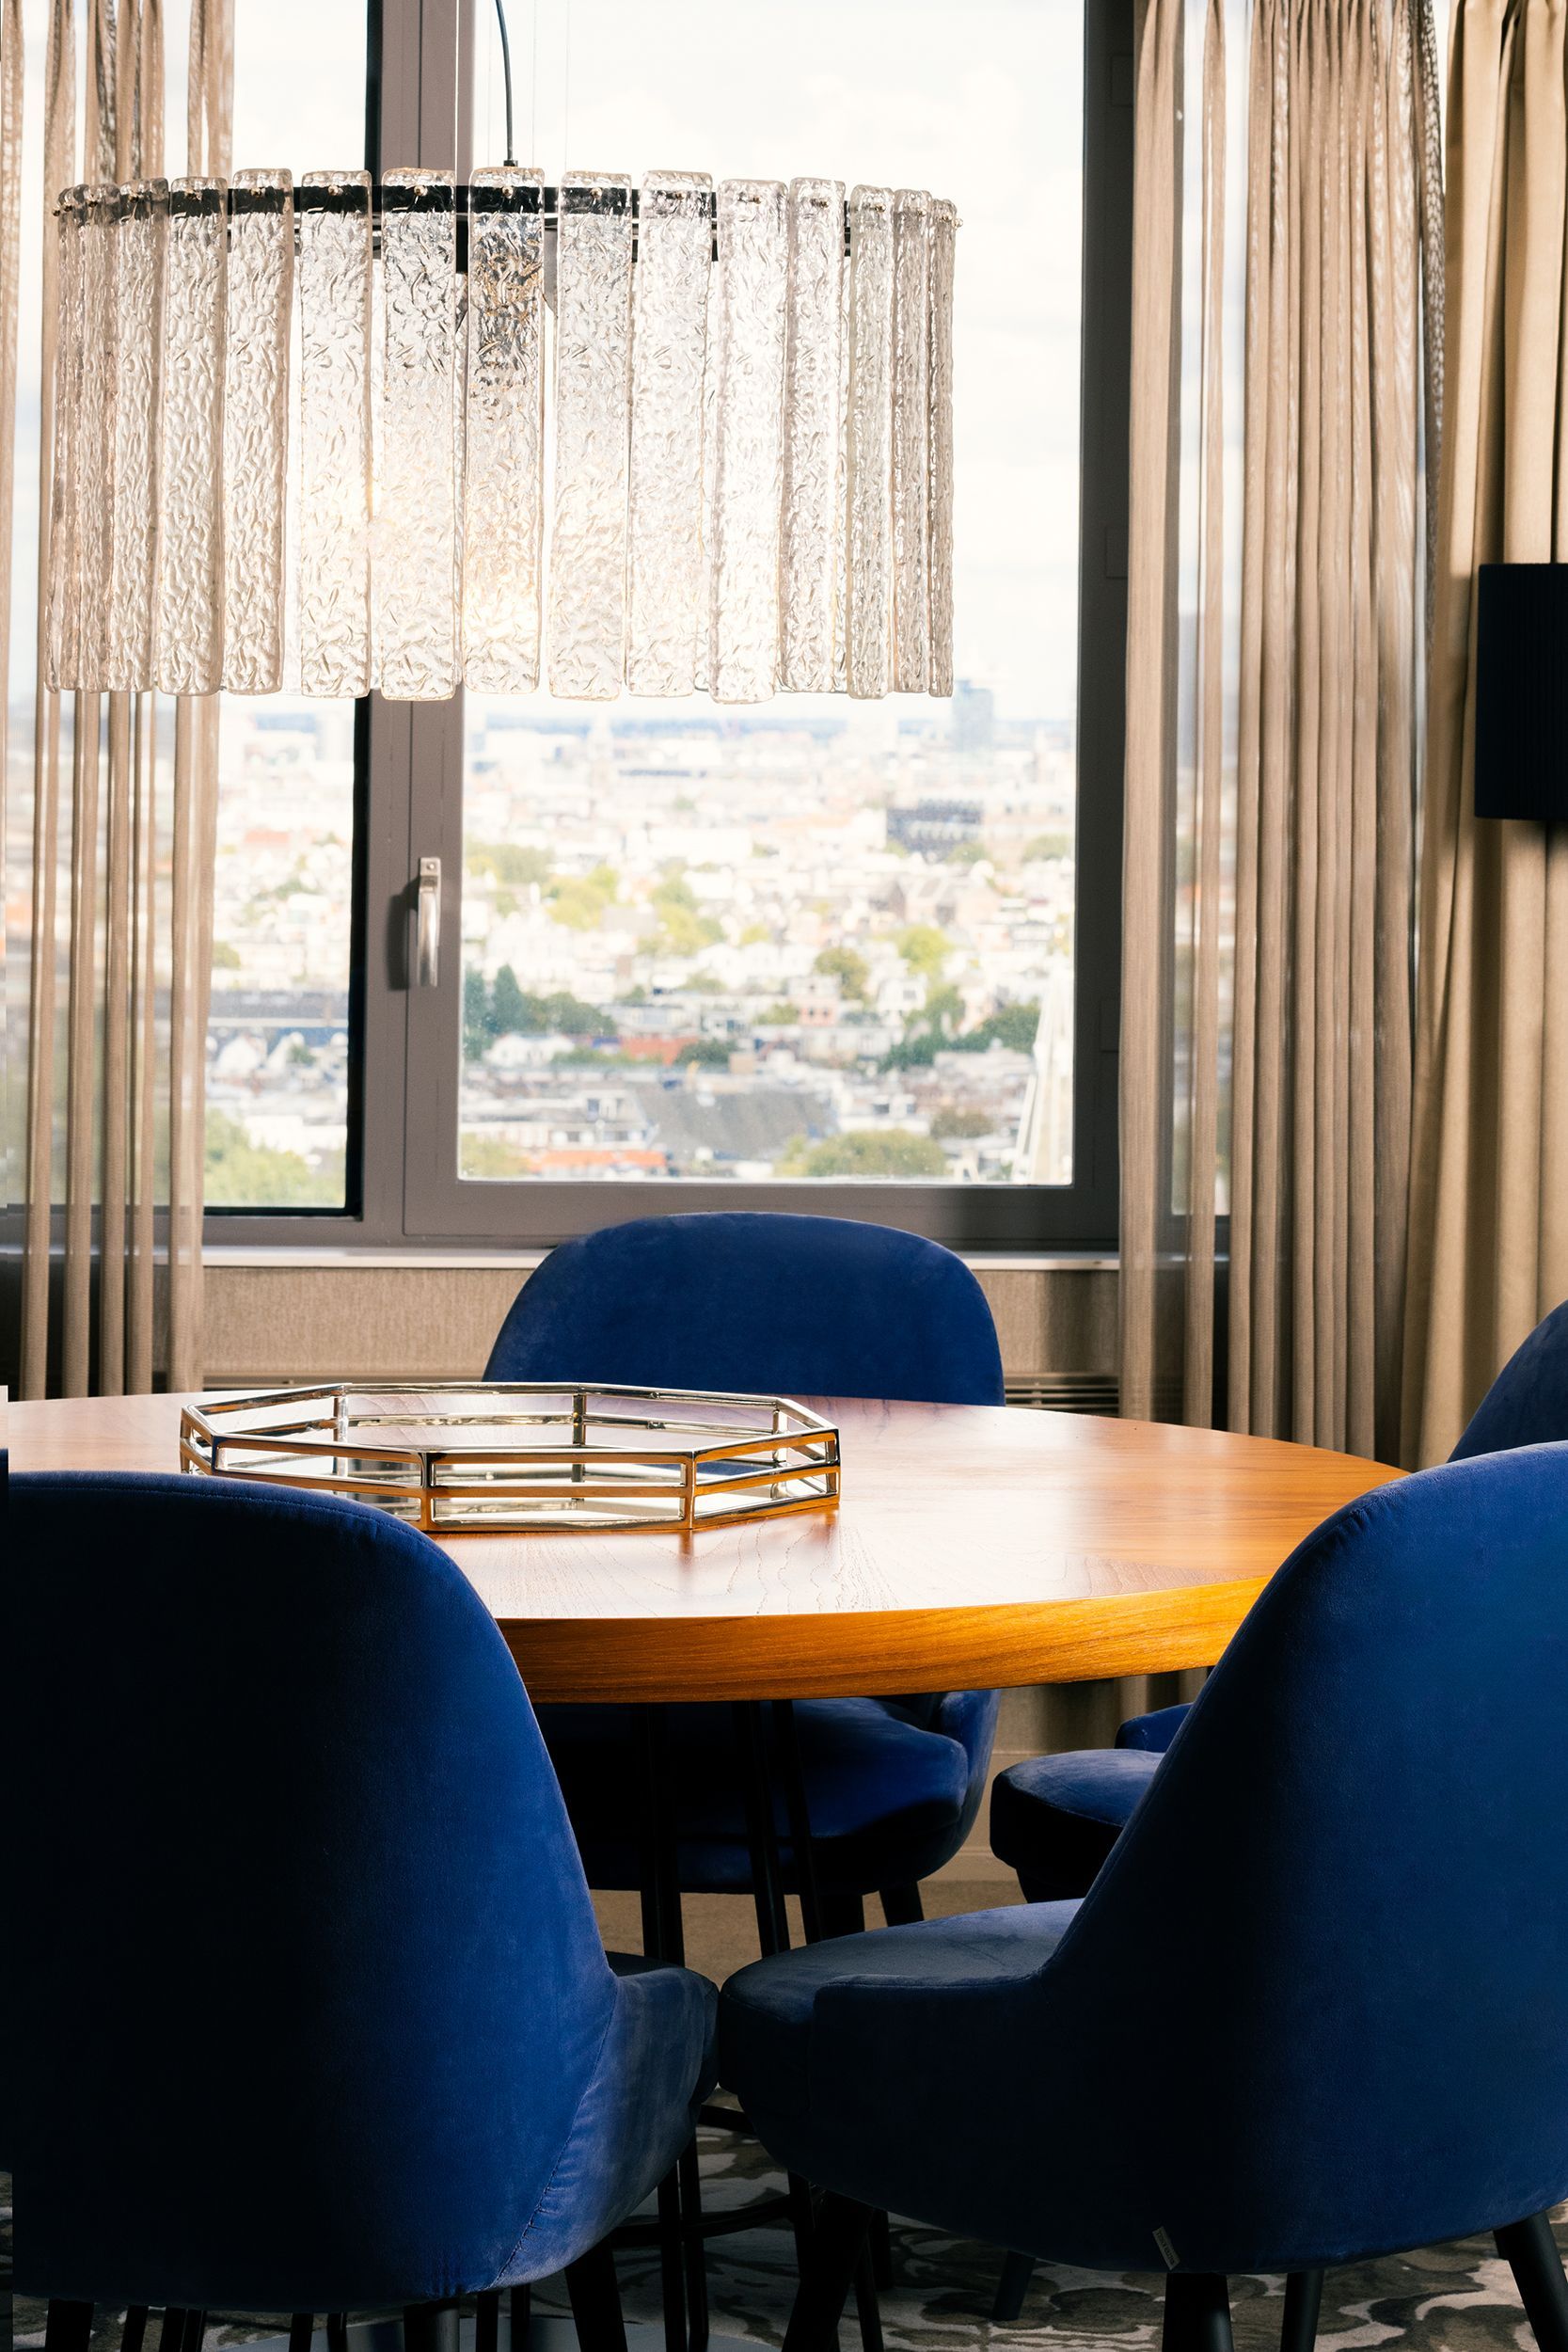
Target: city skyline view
<point x="728" y="946"/>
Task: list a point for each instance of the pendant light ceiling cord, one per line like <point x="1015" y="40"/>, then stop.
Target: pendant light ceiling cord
<point x="506" y="78"/>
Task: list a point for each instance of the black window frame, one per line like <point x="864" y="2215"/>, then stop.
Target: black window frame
<point x="403" y="1188"/>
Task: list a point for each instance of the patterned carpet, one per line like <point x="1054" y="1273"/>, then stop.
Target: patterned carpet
<point x="1447" y="2299"/>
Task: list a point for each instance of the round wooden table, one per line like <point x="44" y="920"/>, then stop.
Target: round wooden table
<point x="973" y="1548"/>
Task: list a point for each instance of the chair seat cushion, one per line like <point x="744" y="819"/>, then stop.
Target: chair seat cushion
<point x="888" y="1801"/>
<point x="767" y="2010"/>
<point x="1055" y="1818"/>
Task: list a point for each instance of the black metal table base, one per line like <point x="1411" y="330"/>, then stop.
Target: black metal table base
<point x="682" y="2228"/>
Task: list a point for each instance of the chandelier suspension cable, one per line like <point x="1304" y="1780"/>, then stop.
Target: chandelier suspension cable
<point x="511" y="157"/>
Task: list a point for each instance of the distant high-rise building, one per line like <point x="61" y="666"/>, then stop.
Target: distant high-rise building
<point x="973" y="721"/>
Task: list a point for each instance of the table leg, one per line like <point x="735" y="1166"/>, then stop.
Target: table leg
<point x="761" y="1834"/>
<point x="792" y="1772"/>
<point x="663" y="1938"/>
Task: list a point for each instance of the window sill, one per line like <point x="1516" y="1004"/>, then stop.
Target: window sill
<point x="283" y="1254"/>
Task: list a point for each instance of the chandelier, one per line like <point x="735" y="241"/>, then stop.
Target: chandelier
<point x="410" y="434"/>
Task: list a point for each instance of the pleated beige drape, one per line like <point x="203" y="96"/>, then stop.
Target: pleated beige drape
<point x="1489" y="1199"/>
<point x="121" y="934"/>
<point x="1281" y="392"/>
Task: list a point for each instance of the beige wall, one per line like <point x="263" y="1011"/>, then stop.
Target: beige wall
<point x="372" y="1318"/>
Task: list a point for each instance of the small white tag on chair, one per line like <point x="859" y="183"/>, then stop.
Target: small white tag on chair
<point x="1167" y="2252"/>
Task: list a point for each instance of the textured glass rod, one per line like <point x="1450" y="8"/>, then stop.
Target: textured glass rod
<point x="256" y="428"/>
<point x="912" y="404"/>
<point x="189" y="655"/>
<point x="669" y="350"/>
<point x="504" y="487"/>
<point x="140" y="238"/>
<point x="753" y="261"/>
<point x="413" y="574"/>
<point x="811" y="520"/>
<point x="95" y="437"/>
<point x="944" y="224"/>
<point x="593" y="381"/>
<point x="62" y="623"/>
<point x="334" y="209"/>
<point x="869" y="442"/>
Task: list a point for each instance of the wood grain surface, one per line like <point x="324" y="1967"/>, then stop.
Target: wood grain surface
<point x="974" y="1547"/>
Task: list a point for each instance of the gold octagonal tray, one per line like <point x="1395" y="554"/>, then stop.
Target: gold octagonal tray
<point x="507" y="1457"/>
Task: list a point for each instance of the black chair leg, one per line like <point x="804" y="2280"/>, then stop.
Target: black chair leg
<point x="134" y="2330"/>
<point x="882" y="2251"/>
<point x="337" y="2331"/>
<point x="1198" y="2312"/>
<point x="1011" y="2288"/>
<point x="520" y="2313"/>
<point x="171" y="2335"/>
<point x="825" y="2279"/>
<point x="696" y="2249"/>
<point x="196" y="2330"/>
<point x="901" y="1905"/>
<point x="487" y="2320"/>
<point x="432" y="2327"/>
<point x="1531" y="2252"/>
<point x="867" y="2309"/>
<point x="1303" y="2296"/>
<point x="302" y="2327"/>
<point x="68" y="2327"/>
<point x="596" y="2294"/>
<point x="672" y="2253"/>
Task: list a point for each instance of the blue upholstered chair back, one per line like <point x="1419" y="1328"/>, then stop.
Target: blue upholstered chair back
<point x="308" y="1984"/>
<point x="1330" y="1950"/>
<point x="1528" y="1402"/>
<point x="741" y="1300"/>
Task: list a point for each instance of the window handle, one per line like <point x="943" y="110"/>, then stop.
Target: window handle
<point x="427" y="966"/>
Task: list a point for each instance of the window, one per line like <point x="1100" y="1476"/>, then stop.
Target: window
<point x="855" y="957"/>
<point x="278" y="1035"/>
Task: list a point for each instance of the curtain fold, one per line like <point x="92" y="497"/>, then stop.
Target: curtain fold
<point x="1287" y="331"/>
<point x="1489" y="1197"/>
<point x="122" y="858"/>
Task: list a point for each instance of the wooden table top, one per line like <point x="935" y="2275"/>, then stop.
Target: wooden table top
<point x="974" y="1547"/>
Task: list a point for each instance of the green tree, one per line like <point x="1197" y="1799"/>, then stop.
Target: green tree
<point x="508" y="1005"/>
<point x="489" y="1156"/>
<point x="781" y="1015"/>
<point x="508" y="861"/>
<point x="888" y="1152"/>
<point x="705" y="1053"/>
<point x="245" y="1175"/>
<point x="1011" y="1025"/>
<point x="924" y="948"/>
<point x="224" y="958"/>
<point x="1047" y="845"/>
<point x="960" y="1123"/>
<point x="478" y="1025"/>
<point x="849" y="970"/>
<point x="580" y="901"/>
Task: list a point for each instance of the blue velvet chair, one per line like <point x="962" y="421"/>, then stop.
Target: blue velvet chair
<point x="789" y="1305"/>
<point x="1054" y="1818"/>
<point x="1308" y="2014"/>
<point x="310" y="2010"/>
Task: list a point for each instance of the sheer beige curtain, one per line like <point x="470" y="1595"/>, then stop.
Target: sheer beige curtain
<point x="123" y="819"/>
<point x="1285" y="371"/>
<point x="1489" y="1200"/>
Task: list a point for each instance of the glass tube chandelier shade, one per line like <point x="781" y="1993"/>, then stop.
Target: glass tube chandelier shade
<point x="627" y="442"/>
